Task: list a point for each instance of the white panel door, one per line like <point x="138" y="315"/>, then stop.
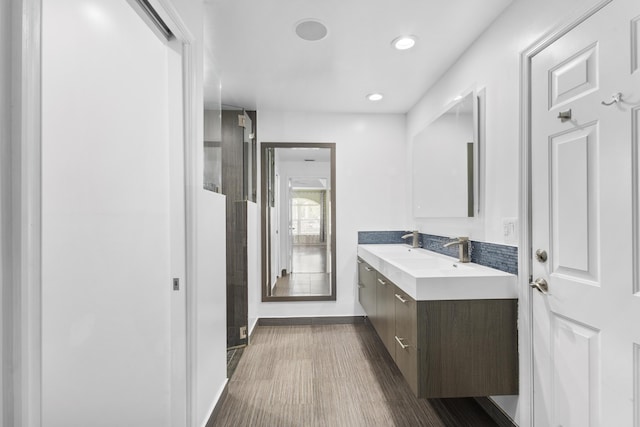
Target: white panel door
<point x="587" y="324"/>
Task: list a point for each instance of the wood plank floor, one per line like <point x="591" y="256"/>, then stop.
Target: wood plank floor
<point x="330" y="375"/>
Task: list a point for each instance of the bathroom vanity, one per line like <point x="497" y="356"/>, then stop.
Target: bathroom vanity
<point x="450" y="327"/>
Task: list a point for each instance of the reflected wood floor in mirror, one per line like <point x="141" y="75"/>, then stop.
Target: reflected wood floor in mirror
<point x="309" y="275"/>
<point x="330" y="375"/>
<point x="300" y="284"/>
<point x="309" y="259"/>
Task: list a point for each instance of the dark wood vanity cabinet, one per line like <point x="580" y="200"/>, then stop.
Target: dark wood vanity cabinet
<point x="448" y="348"/>
<point x="367" y="287"/>
<point x="468" y="348"/>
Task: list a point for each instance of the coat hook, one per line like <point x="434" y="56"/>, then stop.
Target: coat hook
<point x="564" y="115"/>
<point x="615" y="98"/>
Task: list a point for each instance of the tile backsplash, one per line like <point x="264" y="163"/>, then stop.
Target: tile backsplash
<point x="381" y="237"/>
<point x="500" y="257"/>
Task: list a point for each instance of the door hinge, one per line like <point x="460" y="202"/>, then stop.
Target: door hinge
<point x="242" y="121"/>
<point x="243" y="332"/>
<point x="176" y="284"/>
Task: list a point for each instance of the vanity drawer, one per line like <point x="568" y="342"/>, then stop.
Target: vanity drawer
<point x="367" y="276"/>
<point x="385" y="312"/>
<point x="405" y="337"/>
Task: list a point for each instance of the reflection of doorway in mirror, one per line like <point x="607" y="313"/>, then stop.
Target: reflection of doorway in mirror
<point x="308" y="248"/>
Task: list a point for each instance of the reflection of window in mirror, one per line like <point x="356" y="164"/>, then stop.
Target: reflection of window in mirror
<point x="298" y="184"/>
<point x="309" y="215"/>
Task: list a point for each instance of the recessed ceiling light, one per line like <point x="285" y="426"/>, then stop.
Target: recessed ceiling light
<point x="374" y="97"/>
<point x="404" y="42"/>
<point x="311" y="30"/>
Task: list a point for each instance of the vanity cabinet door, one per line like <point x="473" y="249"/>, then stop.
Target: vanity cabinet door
<point x="405" y="337"/>
<point x="469" y="348"/>
<point x="385" y="307"/>
<point x="367" y="288"/>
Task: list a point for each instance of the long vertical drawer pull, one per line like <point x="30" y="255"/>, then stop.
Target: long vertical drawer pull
<point x="402" y="300"/>
<point x="403" y="345"/>
<point x="367" y="268"/>
<point x="382" y="282"/>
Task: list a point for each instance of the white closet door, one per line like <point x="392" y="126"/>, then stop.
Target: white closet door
<point x="111" y="176"/>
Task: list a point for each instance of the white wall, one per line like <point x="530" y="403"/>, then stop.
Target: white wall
<point x="211" y="308"/>
<point x="493" y="62"/>
<point x="254" y="268"/>
<point x="370" y="189"/>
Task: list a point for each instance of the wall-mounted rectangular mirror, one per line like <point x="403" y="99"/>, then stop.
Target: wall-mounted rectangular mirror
<point x="298" y="221"/>
<point x="445" y="163"/>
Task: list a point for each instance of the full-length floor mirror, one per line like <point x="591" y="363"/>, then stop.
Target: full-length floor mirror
<point x="298" y="221"/>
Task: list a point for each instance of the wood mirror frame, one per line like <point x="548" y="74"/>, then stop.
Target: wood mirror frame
<point x="266" y="168"/>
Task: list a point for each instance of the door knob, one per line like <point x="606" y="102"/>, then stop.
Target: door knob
<point x="541" y="285"/>
<point x="541" y="255"/>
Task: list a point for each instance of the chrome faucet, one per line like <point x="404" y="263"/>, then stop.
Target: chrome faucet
<point x="463" y="253"/>
<point x="415" y="235"/>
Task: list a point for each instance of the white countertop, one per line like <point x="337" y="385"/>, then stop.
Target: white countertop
<point x="426" y="276"/>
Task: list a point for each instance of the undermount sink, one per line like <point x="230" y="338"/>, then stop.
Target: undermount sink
<point x="426" y="275"/>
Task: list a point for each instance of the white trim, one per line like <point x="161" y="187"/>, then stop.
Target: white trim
<point x="215" y="402"/>
<point x="171" y="17"/>
<point x="525" y="321"/>
<point x="26" y="211"/>
<point x="635" y="136"/>
<point x="191" y="215"/>
<point x="5" y="215"/>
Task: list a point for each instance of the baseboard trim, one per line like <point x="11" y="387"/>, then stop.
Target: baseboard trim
<point x="495" y="412"/>
<point x="218" y="405"/>
<point x="328" y="320"/>
<point x="252" y="327"/>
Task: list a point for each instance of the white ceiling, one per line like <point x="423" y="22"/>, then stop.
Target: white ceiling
<point x="299" y="183"/>
<point x="262" y="64"/>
